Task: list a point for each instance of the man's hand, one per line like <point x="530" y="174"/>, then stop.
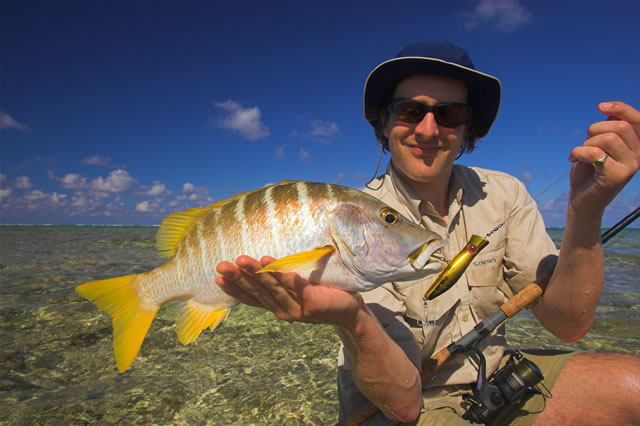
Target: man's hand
<point x="568" y="305"/>
<point x="287" y="295"/>
<point x="593" y="187"/>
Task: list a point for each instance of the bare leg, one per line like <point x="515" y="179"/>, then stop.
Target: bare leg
<point x="595" y="389"/>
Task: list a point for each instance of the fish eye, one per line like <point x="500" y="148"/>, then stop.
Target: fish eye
<point x="389" y="216"/>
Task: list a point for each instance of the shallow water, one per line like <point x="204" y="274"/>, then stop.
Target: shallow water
<point x="57" y="365"/>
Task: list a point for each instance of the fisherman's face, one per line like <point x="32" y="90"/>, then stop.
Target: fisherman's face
<point x="425" y="151"/>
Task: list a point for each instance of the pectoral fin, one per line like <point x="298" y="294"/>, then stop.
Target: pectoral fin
<point x="307" y="260"/>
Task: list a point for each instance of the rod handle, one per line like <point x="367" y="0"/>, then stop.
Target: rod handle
<point x="522" y="299"/>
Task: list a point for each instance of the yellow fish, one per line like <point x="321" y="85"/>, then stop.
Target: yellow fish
<point x="327" y="233"/>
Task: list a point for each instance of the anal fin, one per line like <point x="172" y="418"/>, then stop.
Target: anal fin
<point x="195" y="317"/>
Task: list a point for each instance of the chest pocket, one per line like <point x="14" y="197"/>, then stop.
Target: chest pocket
<point x="488" y="290"/>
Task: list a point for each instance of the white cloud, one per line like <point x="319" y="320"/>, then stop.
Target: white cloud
<point x="80" y="200"/>
<point x="143" y="207"/>
<point x="70" y="180"/>
<point x="104" y="196"/>
<point x="87" y="203"/>
<point x="97" y="160"/>
<point x="192" y="196"/>
<point x="7" y="122"/>
<point x="526" y="176"/>
<point x="339" y="177"/>
<point x="245" y="121"/>
<point x="501" y="15"/>
<point x="323" y="130"/>
<point x="58" y="198"/>
<point x="117" y="181"/>
<point x="319" y="131"/>
<point x="23" y="182"/>
<point x="303" y="154"/>
<point x="280" y="151"/>
<point x="188" y="187"/>
<point x="35" y="195"/>
<point x="554" y="211"/>
<point x="5" y="193"/>
<point x="157" y="189"/>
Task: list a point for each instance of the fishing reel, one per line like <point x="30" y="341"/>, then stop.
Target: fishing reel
<point x="512" y="384"/>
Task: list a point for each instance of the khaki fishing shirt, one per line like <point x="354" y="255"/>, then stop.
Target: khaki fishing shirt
<point x="479" y="200"/>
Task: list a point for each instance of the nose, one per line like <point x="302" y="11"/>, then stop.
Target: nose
<point x="427" y="128"/>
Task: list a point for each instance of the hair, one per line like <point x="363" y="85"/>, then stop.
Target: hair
<point x="470" y="139"/>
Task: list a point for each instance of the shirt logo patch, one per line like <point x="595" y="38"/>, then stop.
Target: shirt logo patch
<point x="484" y="262"/>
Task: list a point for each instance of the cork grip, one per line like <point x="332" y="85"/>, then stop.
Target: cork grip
<point x="522" y="299"/>
<point x="433" y="364"/>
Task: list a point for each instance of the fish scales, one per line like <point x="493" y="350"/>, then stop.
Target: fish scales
<point x="329" y="233"/>
<point x="256" y="217"/>
<point x="273" y="222"/>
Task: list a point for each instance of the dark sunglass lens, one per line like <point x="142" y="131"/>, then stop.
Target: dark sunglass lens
<point x="452" y="115"/>
<point x="408" y="111"/>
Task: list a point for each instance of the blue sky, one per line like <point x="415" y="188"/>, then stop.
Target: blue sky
<point x="120" y="112"/>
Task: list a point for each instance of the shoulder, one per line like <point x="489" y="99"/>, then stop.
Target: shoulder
<point x="375" y="187"/>
<point x="487" y="182"/>
<point x="478" y="174"/>
<point x="381" y="188"/>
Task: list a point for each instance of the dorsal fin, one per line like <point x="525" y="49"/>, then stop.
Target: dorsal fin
<point x="175" y="227"/>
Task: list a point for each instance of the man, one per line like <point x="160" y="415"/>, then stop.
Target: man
<point x="428" y="105"/>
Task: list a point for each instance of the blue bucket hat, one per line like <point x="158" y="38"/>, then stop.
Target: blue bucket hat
<point x="442" y="58"/>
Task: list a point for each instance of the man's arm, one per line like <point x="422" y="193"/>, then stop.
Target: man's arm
<point x="568" y="305"/>
<point x="381" y="369"/>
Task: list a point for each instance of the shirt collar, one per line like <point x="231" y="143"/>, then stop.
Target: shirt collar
<point x="412" y="201"/>
<point x="403" y="193"/>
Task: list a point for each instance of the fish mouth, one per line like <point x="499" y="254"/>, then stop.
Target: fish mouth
<point x="421" y="258"/>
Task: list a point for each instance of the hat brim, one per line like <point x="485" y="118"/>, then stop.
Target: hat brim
<point x="484" y="90"/>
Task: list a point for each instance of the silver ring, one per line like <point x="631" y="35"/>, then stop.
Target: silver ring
<point x="600" y="161"/>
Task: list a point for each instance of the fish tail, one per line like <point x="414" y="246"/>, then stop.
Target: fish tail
<point x="131" y="317"/>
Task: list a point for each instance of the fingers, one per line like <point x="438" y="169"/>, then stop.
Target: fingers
<point x="273" y="291"/>
<point x="607" y="160"/>
<point x="239" y="281"/>
<point x="618" y="137"/>
<point x="620" y="111"/>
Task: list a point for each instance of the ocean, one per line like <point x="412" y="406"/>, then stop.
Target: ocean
<point x="57" y="365"/>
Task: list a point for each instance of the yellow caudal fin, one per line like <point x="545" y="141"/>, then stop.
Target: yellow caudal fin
<point x="130" y="317"/>
<point x="307" y="260"/>
<point x="195" y="317"/>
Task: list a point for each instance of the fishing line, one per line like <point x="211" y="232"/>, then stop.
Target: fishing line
<point x="527" y="203"/>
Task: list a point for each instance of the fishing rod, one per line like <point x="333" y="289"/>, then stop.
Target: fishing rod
<point x="469" y="341"/>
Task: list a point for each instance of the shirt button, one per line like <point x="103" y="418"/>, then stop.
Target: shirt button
<point x="465" y="317"/>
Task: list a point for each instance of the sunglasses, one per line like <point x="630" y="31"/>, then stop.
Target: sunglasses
<point x="451" y="114"/>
